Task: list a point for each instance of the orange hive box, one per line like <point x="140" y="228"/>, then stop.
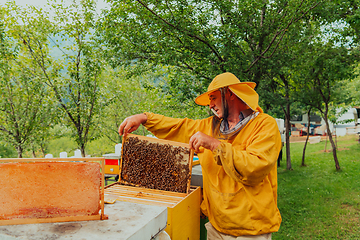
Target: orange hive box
<point x="35" y="191"/>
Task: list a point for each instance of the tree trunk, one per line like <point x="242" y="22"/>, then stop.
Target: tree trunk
<point x="326" y="135"/>
<point x="307" y="138"/>
<point x="337" y="165"/>
<point x="42" y="149"/>
<point x="335" y="137"/>
<point x="33" y="153"/>
<point x="82" y="149"/>
<point x="19" y="151"/>
<point x="287" y="136"/>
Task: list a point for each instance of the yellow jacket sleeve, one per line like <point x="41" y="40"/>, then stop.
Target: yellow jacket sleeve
<point x="251" y="160"/>
<point x="174" y="129"/>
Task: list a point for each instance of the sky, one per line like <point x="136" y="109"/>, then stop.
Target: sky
<point x="42" y="3"/>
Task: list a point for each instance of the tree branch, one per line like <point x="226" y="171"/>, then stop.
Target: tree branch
<point x="182" y="30"/>
<point x="282" y="33"/>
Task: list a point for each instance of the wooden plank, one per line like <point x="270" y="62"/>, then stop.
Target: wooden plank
<point x="102" y="214"/>
<point x="146" y="196"/>
<point x="197" y="162"/>
<point x="49" y="220"/>
<point x="93" y="159"/>
<point x="140" y="189"/>
<point x="158" y="140"/>
<point x="145" y="201"/>
<point x="143" y="195"/>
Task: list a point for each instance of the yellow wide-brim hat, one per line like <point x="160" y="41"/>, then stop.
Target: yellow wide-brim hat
<point x="243" y="90"/>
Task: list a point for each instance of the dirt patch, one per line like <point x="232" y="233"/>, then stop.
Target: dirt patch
<point x="350" y="220"/>
<point x="338" y="149"/>
<point x="303" y="138"/>
<point x="330" y="150"/>
<point x="347" y="206"/>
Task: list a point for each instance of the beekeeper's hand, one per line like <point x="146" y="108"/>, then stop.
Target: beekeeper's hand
<point x="200" y="139"/>
<point x="132" y="123"/>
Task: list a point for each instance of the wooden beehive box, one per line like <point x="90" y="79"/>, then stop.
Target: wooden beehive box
<point x="34" y="190"/>
<point x="158" y="172"/>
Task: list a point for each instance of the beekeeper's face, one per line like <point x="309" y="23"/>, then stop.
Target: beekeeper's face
<point x="215" y="103"/>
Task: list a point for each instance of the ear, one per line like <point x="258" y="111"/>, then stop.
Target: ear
<point x="231" y="94"/>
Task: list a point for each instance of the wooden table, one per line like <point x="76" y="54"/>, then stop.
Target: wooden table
<point x="130" y="221"/>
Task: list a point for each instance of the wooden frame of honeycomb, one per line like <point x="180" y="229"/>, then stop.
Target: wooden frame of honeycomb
<point x="155" y="164"/>
<point x="48" y="219"/>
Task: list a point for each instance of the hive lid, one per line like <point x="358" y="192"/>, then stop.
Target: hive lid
<point x="111" y="156"/>
<point x="155" y="164"/>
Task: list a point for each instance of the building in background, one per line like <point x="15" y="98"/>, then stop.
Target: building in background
<point x="347" y="123"/>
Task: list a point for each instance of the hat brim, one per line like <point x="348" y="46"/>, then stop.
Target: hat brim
<point x="244" y="90"/>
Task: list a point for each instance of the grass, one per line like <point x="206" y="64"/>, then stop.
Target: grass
<point x="316" y="201"/>
<point x="96" y="148"/>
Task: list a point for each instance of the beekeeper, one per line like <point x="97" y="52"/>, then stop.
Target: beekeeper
<point x="237" y="149"/>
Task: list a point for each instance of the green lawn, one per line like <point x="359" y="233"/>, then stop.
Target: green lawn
<point x="316" y="201"/>
<point x="96" y="148"/>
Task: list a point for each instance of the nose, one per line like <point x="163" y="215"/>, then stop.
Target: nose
<point x="211" y="105"/>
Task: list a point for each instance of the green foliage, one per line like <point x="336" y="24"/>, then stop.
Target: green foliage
<point x="131" y="94"/>
<point x="321" y="76"/>
<point x="7" y="151"/>
<point x="317" y="202"/>
<point x="74" y="80"/>
<point x="95" y="148"/>
<point x="354" y="88"/>
<point x="164" y="54"/>
<point x="268" y="43"/>
<point x="24" y="105"/>
<point x="204" y="38"/>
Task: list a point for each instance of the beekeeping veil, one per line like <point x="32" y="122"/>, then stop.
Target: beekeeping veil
<point x="243" y="90"/>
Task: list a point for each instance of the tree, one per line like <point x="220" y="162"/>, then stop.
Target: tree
<point x="279" y="93"/>
<point x="285" y="81"/>
<point x="354" y="87"/>
<point x="132" y="94"/>
<point x="7" y="151"/>
<point x="321" y="80"/>
<point x="24" y="101"/>
<point x="75" y="80"/>
<point x="279" y="86"/>
<point x="350" y="16"/>
<point x="307" y="138"/>
<point x="203" y="38"/>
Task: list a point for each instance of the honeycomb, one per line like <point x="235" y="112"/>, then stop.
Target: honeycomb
<point x="155" y="165"/>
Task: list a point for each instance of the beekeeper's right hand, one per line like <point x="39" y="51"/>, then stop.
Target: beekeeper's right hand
<point x="132" y="123"/>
